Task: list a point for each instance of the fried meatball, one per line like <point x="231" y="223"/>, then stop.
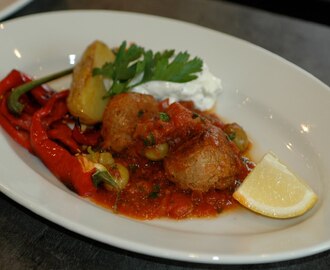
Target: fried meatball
<point x="182" y="125"/>
<point x="121" y="116"/>
<point x="207" y="161"/>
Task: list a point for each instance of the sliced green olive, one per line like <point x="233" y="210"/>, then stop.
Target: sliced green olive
<point x="237" y="135"/>
<point x="123" y="179"/>
<point x="104" y="158"/>
<point x="120" y="175"/>
<point x="113" y="179"/>
<point x="156" y="152"/>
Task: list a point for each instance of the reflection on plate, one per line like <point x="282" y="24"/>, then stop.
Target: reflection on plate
<point x="270" y="97"/>
<point x="7" y="7"/>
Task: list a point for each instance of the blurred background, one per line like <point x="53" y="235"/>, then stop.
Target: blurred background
<point x="311" y="10"/>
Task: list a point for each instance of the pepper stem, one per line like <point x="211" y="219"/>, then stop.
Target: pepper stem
<point x="17" y="107"/>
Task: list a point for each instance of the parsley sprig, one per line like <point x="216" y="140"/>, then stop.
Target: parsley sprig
<point x="134" y="66"/>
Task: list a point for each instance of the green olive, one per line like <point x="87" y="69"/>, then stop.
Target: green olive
<point x="121" y="177"/>
<point x="156" y="152"/>
<point x="237" y="135"/>
<point x="106" y="158"/>
<point x="122" y="180"/>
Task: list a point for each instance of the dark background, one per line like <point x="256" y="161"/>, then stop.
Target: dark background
<point x="311" y="10"/>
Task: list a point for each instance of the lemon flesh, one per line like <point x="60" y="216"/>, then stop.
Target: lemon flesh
<point x="271" y="189"/>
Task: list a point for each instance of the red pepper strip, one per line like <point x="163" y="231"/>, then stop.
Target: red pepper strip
<point x="41" y="93"/>
<point x="59" y="161"/>
<point x="12" y="80"/>
<point x="58" y="112"/>
<point x="86" y="138"/>
<point x="15" y="79"/>
<point x="20" y="136"/>
<point x="63" y="133"/>
<point x="22" y="122"/>
<point x="30" y="106"/>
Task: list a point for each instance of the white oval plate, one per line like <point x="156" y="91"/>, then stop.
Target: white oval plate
<point x="283" y="109"/>
<point x="7" y="7"/>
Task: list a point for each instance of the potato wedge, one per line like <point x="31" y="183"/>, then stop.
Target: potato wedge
<point x="86" y="95"/>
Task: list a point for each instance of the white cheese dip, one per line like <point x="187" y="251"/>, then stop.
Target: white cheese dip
<point x="203" y="91"/>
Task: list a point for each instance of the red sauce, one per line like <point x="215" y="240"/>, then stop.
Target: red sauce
<point x="149" y="194"/>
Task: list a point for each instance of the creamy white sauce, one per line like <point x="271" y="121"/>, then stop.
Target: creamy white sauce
<point x="203" y="91"/>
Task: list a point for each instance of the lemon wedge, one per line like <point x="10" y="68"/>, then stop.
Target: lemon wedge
<point x="272" y="190"/>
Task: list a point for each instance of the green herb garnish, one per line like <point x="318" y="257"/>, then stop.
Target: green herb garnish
<point x="231" y="136"/>
<point x="149" y="140"/>
<point x="195" y="115"/>
<point x="134" y="66"/>
<point x="164" y="117"/>
<point x="101" y="177"/>
<point x="140" y="113"/>
<point x="155" y="192"/>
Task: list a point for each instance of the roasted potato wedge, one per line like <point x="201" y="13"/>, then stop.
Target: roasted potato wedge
<point x="87" y="91"/>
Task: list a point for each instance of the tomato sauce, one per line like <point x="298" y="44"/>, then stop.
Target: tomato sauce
<point x="149" y="194"/>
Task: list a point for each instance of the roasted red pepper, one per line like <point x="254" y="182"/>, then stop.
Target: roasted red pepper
<point x="14" y="100"/>
<point x="20" y="136"/>
<point x="89" y="137"/>
<point x="16" y="128"/>
<point x="58" y="160"/>
<point x="13" y="79"/>
<point x="42" y="108"/>
<point x="63" y="134"/>
<point x="20" y="123"/>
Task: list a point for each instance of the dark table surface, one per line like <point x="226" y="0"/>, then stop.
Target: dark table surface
<point x="28" y="241"/>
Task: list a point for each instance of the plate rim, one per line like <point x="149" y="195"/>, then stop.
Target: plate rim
<point x="14" y="6"/>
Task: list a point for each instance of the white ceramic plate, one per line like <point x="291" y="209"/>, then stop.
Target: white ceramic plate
<point x="283" y="108"/>
<point x="7" y="7"/>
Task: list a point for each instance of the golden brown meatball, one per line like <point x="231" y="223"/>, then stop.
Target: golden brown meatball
<point x="121" y="116"/>
<point x="205" y="162"/>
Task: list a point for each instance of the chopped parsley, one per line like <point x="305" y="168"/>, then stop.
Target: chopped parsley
<point x="150" y="140"/>
<point x="140" y="113"/>
<point x="155" y="192"/>
<point x="195" y="115"/>
<point x="100" y="177"/>
<point x="231" y="136"/>
<point x="164" y="117"/>
<point x="134" y="65"/>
